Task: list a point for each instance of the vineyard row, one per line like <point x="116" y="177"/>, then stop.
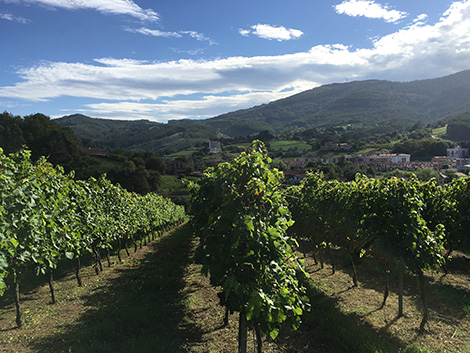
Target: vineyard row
<point x="47" y="216"/>
<point x="248" y="222"/>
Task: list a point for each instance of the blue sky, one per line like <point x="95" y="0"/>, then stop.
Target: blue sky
<point x="175" y="59"/>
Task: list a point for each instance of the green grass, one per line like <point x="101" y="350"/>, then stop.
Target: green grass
<point x="161" y="303"/>
<point x="337" y="331"/>
<point x="141" y="310"/>
<point x="367" y="150"/>
<point x="277" y="145"/>
<point x="170" y="183"/>
<point x="440" y="131"/>
<point x="285" y="145"/>
<point x="184" y="153"/>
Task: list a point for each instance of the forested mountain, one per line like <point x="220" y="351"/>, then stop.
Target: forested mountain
<point x="362" y="104"/>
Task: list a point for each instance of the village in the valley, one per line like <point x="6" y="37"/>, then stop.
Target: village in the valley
<point x="457" y="160"/>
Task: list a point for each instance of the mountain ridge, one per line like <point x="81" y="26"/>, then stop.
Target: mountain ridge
<point x="358" y="103"/>
<point x="362" y="102"/>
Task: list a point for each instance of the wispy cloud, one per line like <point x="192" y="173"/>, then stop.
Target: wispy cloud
<point x="10" y="17"/>
<point x="116" y="7"/>
<point x="11" y="104"/>
<point x="197" y="51"/>
<point x="421" y="18"/>
<point x="151" y="88"/>
<point x="244" y="32"/>
<point x="199" y="36"/>
<point x="270" y="32"/>
<point x="179" y="34"/>
<point x="153" y="32"/>
<point x="369" y="9"/>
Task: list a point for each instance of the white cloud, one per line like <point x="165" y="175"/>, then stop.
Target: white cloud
<point x="206" y="107"/>
<point x="11" y="104"/>
<point x="10" y="17"/>
<point x="199" y="36"/>
<point x="198" y="51"/>
<point x="158" y="33"/>
<point x="421" y="18"/>
<point x="244" y="32"/>
<point x="117" y="7"/>
<point x="369" y="9"/>
<point x="153" y="32"/>
<point x="278" y="33"/>
<point x="418" y="51"/>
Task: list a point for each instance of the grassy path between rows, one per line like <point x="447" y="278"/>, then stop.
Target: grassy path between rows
<point x="135" y="306"/>
<point x="157" y="301"/>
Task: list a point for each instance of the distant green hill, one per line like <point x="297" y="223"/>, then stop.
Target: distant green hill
<point x="139" y="135"/>
<point x="363" y="103"/>
<point x="360" y="104"/>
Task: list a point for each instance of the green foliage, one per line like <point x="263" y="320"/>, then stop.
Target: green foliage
<point x="137" y="171"/>
<point x="458" y="216"/>
<point x="399" y="234"/>
<point x="459" y="128"/>
<point x="422" y="149"/>
<point x="11" y="136"/>
<point x="399" y="221"/>
<point x="141" y="135"/>
<point x="425" y="174"/>
<point x="46" y="215"/>
<point x="242" y="219"/>
<point x="43" y="136"/>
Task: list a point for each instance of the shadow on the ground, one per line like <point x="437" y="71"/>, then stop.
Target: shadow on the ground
<point x="446" y="302"/>
<point x="141" y="310"/>
<point x="326" y="329"/>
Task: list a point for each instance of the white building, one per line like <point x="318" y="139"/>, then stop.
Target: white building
<point x="214" y="147"/>
<point x="457" y="152"/>
<point x="393" y="158"/>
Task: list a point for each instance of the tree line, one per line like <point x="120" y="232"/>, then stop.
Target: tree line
<point x="137" y="171"/>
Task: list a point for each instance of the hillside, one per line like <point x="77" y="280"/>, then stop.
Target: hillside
<point x="362" y="103"/>
<point x="138" y="135"/>
<point x="397" y="105"/>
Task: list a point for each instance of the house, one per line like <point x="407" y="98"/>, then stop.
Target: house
<point x="214" y="147"/>
<point x="296" y="165"/>
<point x="465" y="167"/>
<point x="440" y="161"/>
<point x="393" y="158"/>
<point x="457" y="152"/>
<point x="175" y="166"/>
<point x="293" y="177"/>
<point x="307" y="159"/>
